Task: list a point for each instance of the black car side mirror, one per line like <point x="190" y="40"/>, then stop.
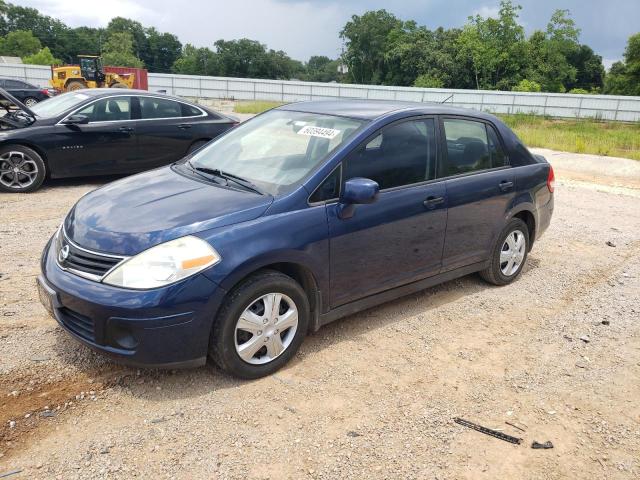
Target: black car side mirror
<point x="76" y="120"/>
<point x="356" y="191"/>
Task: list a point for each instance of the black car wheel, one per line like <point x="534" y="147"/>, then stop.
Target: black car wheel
<point x="30" y="101"/>
<point x="21" y="169"/>
<point x="509" y="254"/>
<point x="260" y="325"/>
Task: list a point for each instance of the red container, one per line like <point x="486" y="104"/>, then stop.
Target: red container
<point x="140" y="81"/>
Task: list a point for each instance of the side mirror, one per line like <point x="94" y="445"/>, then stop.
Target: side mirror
<point x="356" y="191"/>
<point x="76" y="120"/>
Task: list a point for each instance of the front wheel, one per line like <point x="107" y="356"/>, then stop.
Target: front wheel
<point x="260" y="326"/>
<point x="22" y="170"/>
<point x="30" y="101"/>
<point x="509" y="254"/>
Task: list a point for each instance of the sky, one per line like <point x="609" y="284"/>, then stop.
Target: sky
<point x="311" y="27"/>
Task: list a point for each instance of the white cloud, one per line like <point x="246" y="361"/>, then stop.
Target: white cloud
<point x="487" y="11"/>
<point x="92" y="12"/>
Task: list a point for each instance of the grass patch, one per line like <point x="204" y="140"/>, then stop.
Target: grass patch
<point x="614" y="139"/>
<point x="257" y="106"/>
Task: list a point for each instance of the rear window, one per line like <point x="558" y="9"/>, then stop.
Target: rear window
<point x="153" y="107"/>
<point x="190" y="110"/>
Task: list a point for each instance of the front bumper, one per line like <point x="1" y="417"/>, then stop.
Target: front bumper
<point x="163" y="328"/>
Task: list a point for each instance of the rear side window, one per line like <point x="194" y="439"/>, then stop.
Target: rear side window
<point x="402" y="154"/>
<point x="153" y="107"/>
<point x="108" y="110"/>
<point x="190" y="110"/>
<point x="472" y="146"/>
<point x="498" y="157"/>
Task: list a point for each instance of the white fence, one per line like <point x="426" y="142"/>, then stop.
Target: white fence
<point x="606" y="107"/>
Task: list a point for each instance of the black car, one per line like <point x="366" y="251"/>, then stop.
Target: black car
<point x="98" y="132"/>
<point x="25" y="92"/>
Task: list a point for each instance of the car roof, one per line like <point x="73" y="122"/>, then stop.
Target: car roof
<point x="105" y="92"/>
<point x="372" y="109"/>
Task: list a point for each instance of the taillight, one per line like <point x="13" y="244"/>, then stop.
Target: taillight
<point x="46" y="92"/>
<point x="551" y="180"/>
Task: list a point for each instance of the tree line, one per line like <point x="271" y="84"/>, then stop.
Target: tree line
<point x="379" y="49"/>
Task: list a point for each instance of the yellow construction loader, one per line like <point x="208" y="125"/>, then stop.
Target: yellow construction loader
<point x="89" y="74"/>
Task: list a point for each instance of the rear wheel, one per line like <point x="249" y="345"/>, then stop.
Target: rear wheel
<point x="75" y="85"/>
<point x="22" y="170"/>
<point x="260" y="326"/>
<point x="30" y="101"/>
<point x="509" y="254"/>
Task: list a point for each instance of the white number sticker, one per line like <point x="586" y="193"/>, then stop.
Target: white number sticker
<point x="318" y="132"/>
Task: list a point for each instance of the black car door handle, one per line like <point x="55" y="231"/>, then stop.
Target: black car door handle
<point x="184" y="126"/>
<point x="505" y="186"/>
<point x="432" y="202"/>
<point x="126" y="129"/>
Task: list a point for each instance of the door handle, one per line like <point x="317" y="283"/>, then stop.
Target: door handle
<point x="184" y="126"/>
<point x="505" y="186"/>
<point x="432" y="201"/>
<point x="126" y="129"/>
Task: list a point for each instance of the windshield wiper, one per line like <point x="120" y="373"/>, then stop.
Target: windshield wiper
<point x="243" y="182"/>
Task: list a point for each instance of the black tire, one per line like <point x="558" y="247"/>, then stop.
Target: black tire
<point x="222" y="345"/>
<point x="30" y="101"/>
<point x="494" y="272"/>
<point x="11" y="157"/>
<point x="196" y="145"/>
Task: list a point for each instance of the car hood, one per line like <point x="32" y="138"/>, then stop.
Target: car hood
<point x="138" y="212"/>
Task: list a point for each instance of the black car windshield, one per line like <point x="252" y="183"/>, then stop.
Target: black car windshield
<point x="278" y="149"/>
<point x="58" y="104"/>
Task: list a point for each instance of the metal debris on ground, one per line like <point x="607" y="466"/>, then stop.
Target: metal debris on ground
<point x="487" y="431"/>
<point x="8" y="474"/>
<point x="515" y="426"/>
<point x="610" y="243"/>
<point x="544" y="445"/>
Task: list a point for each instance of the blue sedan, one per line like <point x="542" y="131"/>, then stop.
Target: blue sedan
<point x="304" y="214"/>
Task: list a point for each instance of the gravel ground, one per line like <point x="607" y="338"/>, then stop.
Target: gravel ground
<point x="370" y="396"/>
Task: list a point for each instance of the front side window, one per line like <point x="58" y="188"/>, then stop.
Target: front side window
<point x="153" y="107"/>
<point x="472" y="146"/>
<point x="402" y="154"/>
<point x="108" y="110"/>
<point x="277" y="149"/>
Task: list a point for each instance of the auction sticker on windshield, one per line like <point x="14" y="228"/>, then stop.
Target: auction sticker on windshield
<point x="319" y="132"/>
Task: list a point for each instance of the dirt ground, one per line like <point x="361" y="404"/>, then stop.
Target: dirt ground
<point x="370" y="396"/>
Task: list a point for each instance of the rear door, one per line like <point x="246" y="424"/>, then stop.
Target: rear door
<point x="165" y="133"/>
<point x="107" y="144"/>
<point x="480" y="188"/>
<point x="397" y="239"/>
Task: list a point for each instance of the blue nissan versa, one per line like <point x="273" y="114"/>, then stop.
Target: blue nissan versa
<point x="304" y="214"/>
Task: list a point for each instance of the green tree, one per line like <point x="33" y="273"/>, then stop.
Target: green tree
<point x="427" y="81"/>
<point x="42" y="57"/>
<point x="494" y="47"/>
<point x="322" y="69"/>
<point x="589" y="69"/>
<point x="366" y="42"/>
<point x="163" y="50"/>
<point x="525" y="85"/>
<point x="197" y="61"/>
<point x="19" y="43"/>
<point x="624" y="77"/>
<point x="118" y="51"/>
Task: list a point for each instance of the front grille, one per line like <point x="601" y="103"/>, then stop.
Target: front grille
<point x="93" y="265"/>
<point x="78" y="324"/>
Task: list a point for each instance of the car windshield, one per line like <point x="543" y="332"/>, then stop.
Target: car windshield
<point x="277" y="149"/>
<point x="58" y="104"/>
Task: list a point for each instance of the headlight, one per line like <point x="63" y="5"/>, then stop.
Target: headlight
<point x="164" y="264"/>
